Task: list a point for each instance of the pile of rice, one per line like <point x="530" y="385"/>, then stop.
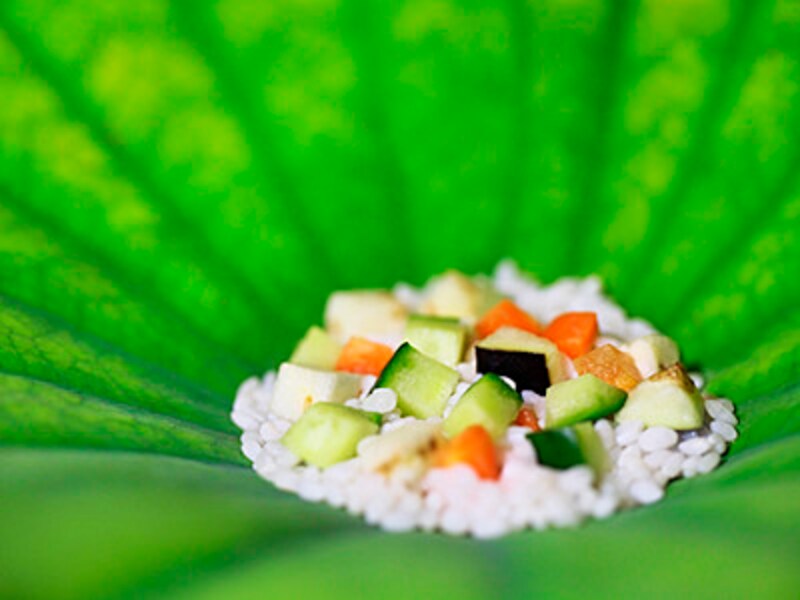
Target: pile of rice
<point x="455" y="500"/>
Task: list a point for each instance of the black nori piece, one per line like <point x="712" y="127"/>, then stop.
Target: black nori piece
<point x="527" y="369"/>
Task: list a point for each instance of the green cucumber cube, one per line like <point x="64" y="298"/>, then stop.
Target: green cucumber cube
<point x="570" y="446"/>
<point x="422" y="384"/>
<point x="489" y="402"/>
<point x="317" y="350"/>
<point x="557" y="448"/>
<point x="439" y="337"/>
<point x="593" y="449"/>
<point x="328" y="433"/>
<point x="297" y="388"/>
<point x="584" y="398"/>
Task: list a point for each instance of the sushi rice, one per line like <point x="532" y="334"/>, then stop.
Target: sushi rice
<point x="455" y="500"/>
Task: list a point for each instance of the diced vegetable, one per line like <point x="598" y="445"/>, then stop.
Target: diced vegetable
<point x="422" y="383"/>
<point x="557" y="448"/>
<point x="570" y="446"/>
<point x="573" y="332"/>
<point x="668" y="398"/>
<point x="676" y="374"/>
<point x="489" y="294"/>
<point x="412" y="440"/>
<point x="316" y="350"/>
<point x="297" y="388"/>
<point x="532" y="362"/>
<point x="653" y="352"/>
<point x="489" y="402"/>
<point x="453" y="295"/>
<point x="611" y="365"/>
<point x="364" y="312"/>
<point x="363" y="356"/>
<point x="592" y="448"/>
<point x="506" y="314"/>
<point x="527" y="370"/>
<point x="580" y="399"/>
<point x="441" y="338"/>
<point x="526" y="417"/>
<point x="328" y="433"/>
<point x="473" y="447"/>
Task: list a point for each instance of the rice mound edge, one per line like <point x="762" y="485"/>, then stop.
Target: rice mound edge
<point x="455" y="500"/>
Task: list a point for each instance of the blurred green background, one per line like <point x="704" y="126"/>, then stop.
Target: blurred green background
<point x="183" y="183"/>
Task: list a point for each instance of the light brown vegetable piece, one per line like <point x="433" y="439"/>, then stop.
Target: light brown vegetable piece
<point x="610" y="364"/>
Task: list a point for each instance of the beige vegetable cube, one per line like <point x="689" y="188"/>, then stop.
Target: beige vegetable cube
<point x="297" y="388"/>
<point x="453" y="295"/>
<point x="668" y="398"/>
<point x="364" y="313"/>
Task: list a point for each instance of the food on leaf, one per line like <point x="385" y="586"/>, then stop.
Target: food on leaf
<point x="611" y="365"/>
<point x="422" y="427"/>
<point x="474" y="447"/>
<point x="506" y="314"/>
<point x="533" y="362"/>
<point x="453" y="295"/>
<point x="360" y="355"/>
<point x="442" y="338"/>
<point x="297" y="388"/>
<point x="526" y="417"/>
<point x="488" y="402"/>
<point x="422" y="383"/>
<point x="328" y="433"/>
<point x="573" y="332"/>
<point x="581" y="399"/>
<point x="668" y="398"/>
<point x="364" y="313"/>
<point x="652" y="353"/>
<point x="317" y="350"/>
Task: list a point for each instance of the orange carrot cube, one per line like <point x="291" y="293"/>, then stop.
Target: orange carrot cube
<point x="473" y="447"/>
<point x="573" y="332"/>
<point x="363" y="356"/>
<point x="506" y="314"/>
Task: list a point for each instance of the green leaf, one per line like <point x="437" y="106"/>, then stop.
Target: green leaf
<point x="182" y="186"/>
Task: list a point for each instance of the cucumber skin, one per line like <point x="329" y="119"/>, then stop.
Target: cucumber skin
<point x="570" y="446"/>
<point x="585" y="398"/>
<point x="557" y="448"/>
<point x="489" y="402"/>
<point x="594" y="452"/>
<point x="414" y="394"/>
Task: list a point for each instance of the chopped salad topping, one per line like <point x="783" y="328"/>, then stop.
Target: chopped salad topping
<point x="483" y="388"/>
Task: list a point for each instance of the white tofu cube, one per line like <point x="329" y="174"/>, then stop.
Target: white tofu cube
<point x="297" y="388"/>
<point x="652" y="353"/>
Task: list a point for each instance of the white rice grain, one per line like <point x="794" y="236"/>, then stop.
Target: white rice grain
<point x="657" y="438"/>
<point x="628" y="432"/>
<point x="708" y="462"/>
<point x="724" y="430"/>
<point x="694" y="446"/>
<point x="646" y="491"/>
